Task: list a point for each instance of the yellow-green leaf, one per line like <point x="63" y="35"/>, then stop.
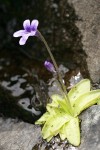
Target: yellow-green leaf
<point x="72" y="131"/>
<point x="86" y="101"/>
<point x="79" y="89"/>
<point x="62" y="132"/>
<point x="43" y="119"/>
<point x="60" y="101"/>
<point x="63" y="105"/>
<point x="98" y="102"/>
<point x="54" y="123"/>
<point x="49" y="138"/>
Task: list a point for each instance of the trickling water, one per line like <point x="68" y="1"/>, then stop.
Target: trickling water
<point x="22" y="93"/>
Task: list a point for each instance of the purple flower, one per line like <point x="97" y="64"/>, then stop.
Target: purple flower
<point x="49" y="66"/>
<point x="30" y="29"/>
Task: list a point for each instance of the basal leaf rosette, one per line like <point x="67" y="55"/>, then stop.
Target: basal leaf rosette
<point x="53" y="119"/>
<point x="57" y="119"/>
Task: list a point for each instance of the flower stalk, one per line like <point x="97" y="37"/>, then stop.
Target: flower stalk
<point x="57" y="70"/>
<point x="30" y="29"/>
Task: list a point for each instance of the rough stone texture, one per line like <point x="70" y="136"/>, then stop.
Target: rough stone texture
<point x="88" y="12"/>
<point x="16" y="135"/>
<point x="90" y="127"/>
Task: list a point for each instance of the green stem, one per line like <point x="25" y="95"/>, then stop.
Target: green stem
<point x="56" y="67"/>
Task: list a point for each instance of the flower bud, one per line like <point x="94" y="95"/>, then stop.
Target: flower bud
<point x="49" y="66"/>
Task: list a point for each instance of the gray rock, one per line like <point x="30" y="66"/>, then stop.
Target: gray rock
<point x="90" y="126"/>
<point x="15" y="135"/>
<point x="88" y="13"/>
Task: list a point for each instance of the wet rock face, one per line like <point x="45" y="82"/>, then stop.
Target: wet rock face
<point x="90" y="127"/>
<point x="57" y="24"/>
<point x="89" y="26"/>
<point x="23" y="94"/>
<point x="70" y="28"/>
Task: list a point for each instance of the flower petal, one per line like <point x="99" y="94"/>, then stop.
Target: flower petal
<point x="19" y="33"/>
<point x="34" y="25"/>
<point x="32" y="33"/>
<point x="26" y="25"/>
<point x="23" y="39"/>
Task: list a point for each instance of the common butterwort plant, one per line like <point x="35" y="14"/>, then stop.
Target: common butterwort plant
<point x="62" y="113"/>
